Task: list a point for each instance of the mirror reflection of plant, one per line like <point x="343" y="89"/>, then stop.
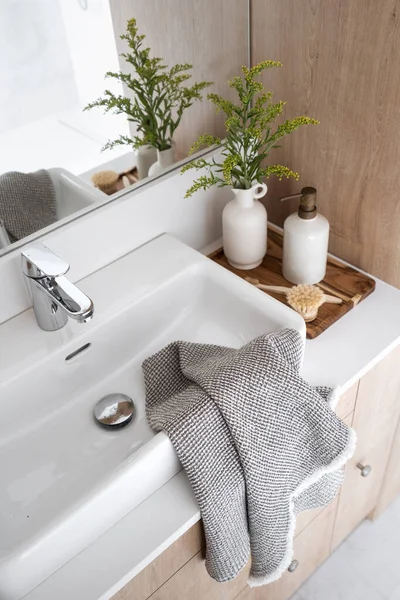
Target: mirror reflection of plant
<point x="159" y="96"/>
<point x="249" y="136"/>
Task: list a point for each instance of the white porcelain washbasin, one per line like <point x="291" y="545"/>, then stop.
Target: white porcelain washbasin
<point x="73" y="193"/>
<point x="64" y="480"/>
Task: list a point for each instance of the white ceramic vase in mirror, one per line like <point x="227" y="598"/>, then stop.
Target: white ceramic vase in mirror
<point x="244" y="228"/>
<point x="165" y="159"/>
<point x="145" y="157"/>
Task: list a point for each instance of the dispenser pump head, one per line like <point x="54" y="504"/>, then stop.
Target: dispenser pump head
<point x="308" y="202"/>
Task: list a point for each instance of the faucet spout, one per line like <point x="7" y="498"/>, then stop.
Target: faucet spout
<point x="55" y="298"/>
<point x="67" y="297"/>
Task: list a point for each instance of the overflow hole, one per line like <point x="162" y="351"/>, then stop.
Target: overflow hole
<point x="81" y="349"/>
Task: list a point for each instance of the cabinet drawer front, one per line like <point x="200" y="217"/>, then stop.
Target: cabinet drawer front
<point x="378" y="400"/>
<point x="391" y="485"/>
<point x="375" y="419"/>
<point x="311" y="548"/>
<point x="347" y="402"/>
<point x="192" y="582"/>
<point x="305" y="518"/>
<point x="359" y="494"/>
<point x="164" y="566"/>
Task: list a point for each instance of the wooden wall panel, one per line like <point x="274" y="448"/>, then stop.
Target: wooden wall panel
<point x="212" y="36"/>
<point x="341" y="65"/>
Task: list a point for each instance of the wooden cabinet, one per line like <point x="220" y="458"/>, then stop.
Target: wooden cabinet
<point x="192" y="582"/>
<point x="391" y="481"/>
<point x="375" y="421"/>
<point x="378" y="401"/>
<point x="372" y="407"/>
<point x="311" y="548"/>
<point x="179" y="573"/>
<point x="164" y="566"/>
<point x="359" y="494"/>
<point x="347" y="402"/>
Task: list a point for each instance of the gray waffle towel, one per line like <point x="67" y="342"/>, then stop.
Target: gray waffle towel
<point x="257" y="442"/>
<point x="27" y="202"/>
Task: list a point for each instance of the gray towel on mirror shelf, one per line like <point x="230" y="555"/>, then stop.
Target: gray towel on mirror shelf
<point x="257" y="442"/>
<point x="27" y="202"/>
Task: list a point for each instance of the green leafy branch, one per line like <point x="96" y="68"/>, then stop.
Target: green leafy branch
<point x="159" y="96"/>
<point x="249" y="135"/>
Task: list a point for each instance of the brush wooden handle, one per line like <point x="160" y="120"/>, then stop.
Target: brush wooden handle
<point x="332" y="299"/>
<point x="279" y="289"/>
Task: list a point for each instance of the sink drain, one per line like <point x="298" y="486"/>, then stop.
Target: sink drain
<point x="114" y="411"/>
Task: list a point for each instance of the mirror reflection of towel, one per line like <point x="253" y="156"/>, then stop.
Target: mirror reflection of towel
<point x="27" y="202"/>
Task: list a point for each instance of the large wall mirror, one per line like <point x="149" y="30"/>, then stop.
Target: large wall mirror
<point x="54" y="57"/>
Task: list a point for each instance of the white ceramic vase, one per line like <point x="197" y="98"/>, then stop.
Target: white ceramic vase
<point x="244" y="228"/>
<point x="145" y="157"/>
<point x="165" y="158"/>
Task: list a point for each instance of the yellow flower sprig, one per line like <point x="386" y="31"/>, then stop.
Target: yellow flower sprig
<point x="249" y="135"/>
<point x="259" y="67"/>
<point x="158" y="97"/>
<point x="291" y="125"/>
<point x="204" y="141"/>
<point x="280" y="171"/>
<point x="226" y="106"/>
<point x="228" y="166"/>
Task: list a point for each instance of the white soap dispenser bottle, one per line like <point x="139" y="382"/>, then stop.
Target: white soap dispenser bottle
<point x="305" y="241"/>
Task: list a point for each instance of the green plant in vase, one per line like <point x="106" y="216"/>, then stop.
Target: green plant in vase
<point x="250" y="136"/>
<point x="159" y="97"/>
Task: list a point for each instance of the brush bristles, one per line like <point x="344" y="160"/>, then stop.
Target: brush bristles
<point x="306" y="300"/>
<point x="105" y="180"/>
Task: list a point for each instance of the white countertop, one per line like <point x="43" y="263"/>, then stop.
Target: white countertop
<point x="342" y="354"/>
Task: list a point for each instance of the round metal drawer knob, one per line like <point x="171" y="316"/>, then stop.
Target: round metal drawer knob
<point x="293" y="566"/>
<point x="365" y="469"/>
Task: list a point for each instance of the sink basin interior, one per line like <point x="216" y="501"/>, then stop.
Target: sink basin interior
<point x="55" y="461"/>
<point x="58" y="449"/>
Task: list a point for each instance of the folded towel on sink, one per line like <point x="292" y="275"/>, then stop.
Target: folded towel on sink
<point x="27" y="202"/>
<point x="258" y="444"/>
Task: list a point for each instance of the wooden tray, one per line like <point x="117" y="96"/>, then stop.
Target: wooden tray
<point x="341" y="281"/>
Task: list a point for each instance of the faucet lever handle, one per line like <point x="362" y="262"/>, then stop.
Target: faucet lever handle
<point x="38" y="262"/>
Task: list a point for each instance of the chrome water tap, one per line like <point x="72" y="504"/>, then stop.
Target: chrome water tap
<point x="54" y="297"/>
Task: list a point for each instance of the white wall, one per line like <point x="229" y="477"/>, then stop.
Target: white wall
<point x="92" y="49"/>
<point x="35" y="67"/>
<point x="53" y="58"/>
<point x="91" y="242"/>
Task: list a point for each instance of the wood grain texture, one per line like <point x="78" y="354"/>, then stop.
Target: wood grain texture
<point x="340" y="281"/>
<point x="375" y="420"/>
<point x="311" y="548"/>
<point x="164" y="566"/>
<point x="192" y="582"/>
<point x="347" y="402"/>
<point x="341" y="65"/>
<point x="212" y="36"/>
<point x="337" y="535"/>
<point x="391" y="482"/>
<point x="305" y="518"/>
